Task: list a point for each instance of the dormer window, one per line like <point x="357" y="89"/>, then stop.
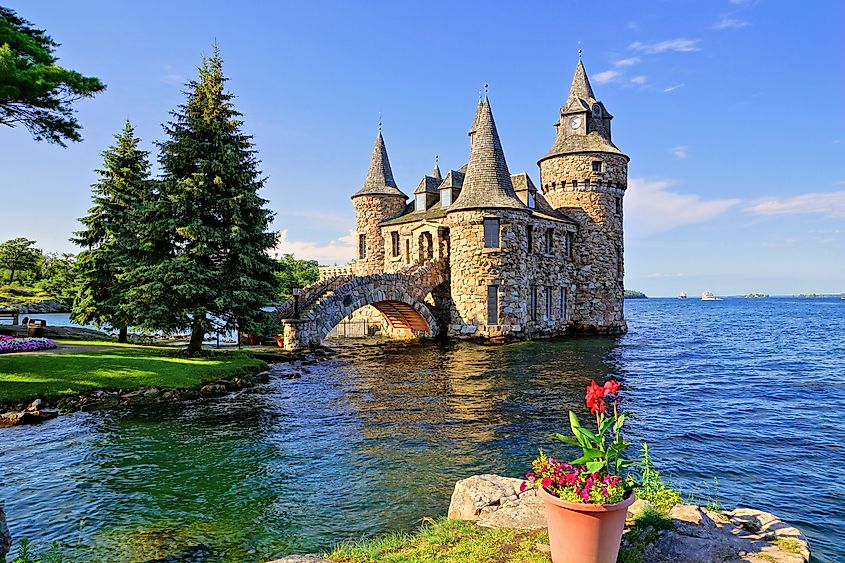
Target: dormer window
<point x="597" y="165"/>
<point x="445" y="198"/>
<point x="531" y="199"/>
<point x="596" y="110"/>
<point x="419" y="202"/>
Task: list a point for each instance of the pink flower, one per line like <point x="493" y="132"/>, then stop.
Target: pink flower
<point x="546" y="482"/>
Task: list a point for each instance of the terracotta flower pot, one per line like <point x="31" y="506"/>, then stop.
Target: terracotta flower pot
<point x="584" y="533"/>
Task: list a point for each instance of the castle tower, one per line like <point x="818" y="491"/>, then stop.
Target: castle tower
<point x="585" y="176"/>
<point x="486" y="221"/>
<point x="378" y="199"/>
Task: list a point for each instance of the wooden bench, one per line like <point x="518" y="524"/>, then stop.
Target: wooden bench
<point x="10" y="314"/>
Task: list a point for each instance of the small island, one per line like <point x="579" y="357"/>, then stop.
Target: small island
<point x="633" y="294"/>
<point x="756" y="296"/>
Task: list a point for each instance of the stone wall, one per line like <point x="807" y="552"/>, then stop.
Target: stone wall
<point x="370" y="210"/>
<point x="595" y="201"/>
<point x="514" y="270"/>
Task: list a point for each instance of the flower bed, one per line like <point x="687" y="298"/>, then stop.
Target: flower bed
<point x="14" y="344"/>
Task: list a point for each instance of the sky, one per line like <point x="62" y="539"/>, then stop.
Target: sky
<point x="731" y="112"/>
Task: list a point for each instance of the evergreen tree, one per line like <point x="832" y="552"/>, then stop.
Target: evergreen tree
<point x="34" y="91"/>
<point x="111" y="234"/>
<point x="206" y="266"/>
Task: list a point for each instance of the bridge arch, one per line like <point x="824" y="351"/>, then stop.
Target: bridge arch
<point x="399" y="297"/>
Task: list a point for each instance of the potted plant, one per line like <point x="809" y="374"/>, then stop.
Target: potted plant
<point x="587" y="499"/>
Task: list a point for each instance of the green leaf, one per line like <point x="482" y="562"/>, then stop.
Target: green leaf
<point x="595" y="466"/>
<point x="619" y="422"/>
<point x="565" y="439"/>
<point x="588" y="434"/>
<point x="589" y="455"/>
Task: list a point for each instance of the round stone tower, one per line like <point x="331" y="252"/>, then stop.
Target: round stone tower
<point x="487" y="260"/>
<point x="585" y="176"/>
<point x="377" y="200"/>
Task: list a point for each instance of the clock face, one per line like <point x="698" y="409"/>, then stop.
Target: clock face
<point x="575" y="122"/>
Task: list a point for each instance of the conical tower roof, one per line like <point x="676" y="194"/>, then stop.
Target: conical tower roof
<point x="379" y="177"/>
<point x="581" y="84"/>
<point x="435" y="173"/>
<point x="487" y="184"/>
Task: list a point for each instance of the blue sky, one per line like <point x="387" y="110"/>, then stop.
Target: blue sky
<point x="731" y="112"/>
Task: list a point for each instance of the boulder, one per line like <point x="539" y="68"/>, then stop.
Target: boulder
<point x="5" y="536"/>
<point x="17" y="418"/>
<point x="495" y="502"/>
<point x="214" y="389"/>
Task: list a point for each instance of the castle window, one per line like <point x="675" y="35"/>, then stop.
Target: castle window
<point x="619" y="267"/>
<point x="491" y="233"/>
<point x="529" y="230"/>
<point x="532" y="303"/>
<point x="407" y="251"/>
<point x="570" y="243"/>
<point x="426" y="246"/>
<point x="394" y="243"/>
<point x="445" y="198"/>
<point x="531" y="199"/>
<point x="618" y="205"/>
<point x="419" y="204"/>
<point x="550" y="235"/>
<point x="563" y="303"/>
<point x="548" y="303"/>
<point x="492" y="304"/>
<point x="574" y="183"/>
<point x="362" y="246"/>
<point x="597" y="165"/>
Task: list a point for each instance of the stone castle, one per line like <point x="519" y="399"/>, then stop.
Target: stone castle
<point x="482" y="253"/>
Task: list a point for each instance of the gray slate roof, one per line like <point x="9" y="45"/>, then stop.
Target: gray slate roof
<point x="379" y="177"/>
<point x="410" y="215"/>
<point x="454" y="179"/>
<point x="487" y="184"/>
<point x="428" y="184"/>
<point x="436" y="173"/>
<point x="591" y="142"/>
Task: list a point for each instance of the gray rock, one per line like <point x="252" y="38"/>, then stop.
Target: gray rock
<point x="494" y="502"/>
<point x="5" y="536"/>
<point x="17" y="418"/>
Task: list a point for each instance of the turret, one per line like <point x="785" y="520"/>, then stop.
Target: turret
<point x="585" y="175"/>
<point x="378" y="199"/>
<point x="486" y="221"/>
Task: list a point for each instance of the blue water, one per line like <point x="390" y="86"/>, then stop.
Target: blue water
<point x="749" y="391"/>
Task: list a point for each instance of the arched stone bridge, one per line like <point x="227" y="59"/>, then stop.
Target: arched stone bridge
<point x="399" y="297"/>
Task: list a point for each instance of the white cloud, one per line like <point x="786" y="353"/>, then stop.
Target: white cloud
<point x="652" y="208"/>
<point x="839" y="183"/>
<point x="664" y="275"/>
<point x="671" y="88"/>
<point x="680" y="152"/>
<point x="605" y="77"/>
<point x="170" y="76"/>
<point x="730" y="23"/>
<point x="337" y="251"/>
<point x="630" y="61"/>
<point x="830" y="205"/>
<point x="680" y="45"/>
<point x="641" y="79"/>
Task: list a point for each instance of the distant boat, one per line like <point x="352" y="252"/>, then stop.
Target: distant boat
<point x="683" y="295"/>
<point x="708" y="296"/>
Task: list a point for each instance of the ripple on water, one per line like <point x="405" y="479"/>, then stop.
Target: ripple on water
<point x="750" y="391"/>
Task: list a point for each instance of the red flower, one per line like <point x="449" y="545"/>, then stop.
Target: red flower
<point x="594" y="397"/>
<point x="597" y="406"/>
<point x="611" y="388"/>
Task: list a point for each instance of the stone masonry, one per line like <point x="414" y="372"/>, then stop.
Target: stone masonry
<point x="483" y="254"/>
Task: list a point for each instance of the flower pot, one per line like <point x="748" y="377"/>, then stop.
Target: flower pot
<point x="584" y="533"/>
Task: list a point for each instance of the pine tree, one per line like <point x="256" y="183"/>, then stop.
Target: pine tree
<point x="208" y="234"/>
<point x="111" y="234"/>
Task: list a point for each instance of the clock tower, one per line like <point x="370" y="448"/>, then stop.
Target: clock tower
<point x="585" y="176"/>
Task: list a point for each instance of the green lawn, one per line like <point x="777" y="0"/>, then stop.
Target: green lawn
<point x="24" y="377"/>
<point x="448" y="541"/>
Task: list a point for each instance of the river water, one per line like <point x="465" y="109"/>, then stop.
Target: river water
<point x="751" y="392"/>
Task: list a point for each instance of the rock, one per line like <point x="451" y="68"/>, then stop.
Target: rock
<point x="133" y="394"/>
<point x="18" y="418"/>
<point x="301" y="559"/>
<point x="5" y="536"/>
<point x="638" y="508"/>
<point x="35" y="405"/>
<point x="494" y="502"/>
<point x="151" y="393"/>
<point x="214" y="389"/>
<point x="261" y="377"/>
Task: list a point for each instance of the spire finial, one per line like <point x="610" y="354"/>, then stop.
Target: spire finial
<point x="486" y="87"/>
<point x="579" y="51"/>
<point x="379" y="122"/>
<point x="436" y="160"/>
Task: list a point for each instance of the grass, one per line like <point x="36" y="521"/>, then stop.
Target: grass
<point x="447" y="541"/>
<point x="24" y="377"/>
<point x="19" y="294"/>
<point x="644" y="531"/>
